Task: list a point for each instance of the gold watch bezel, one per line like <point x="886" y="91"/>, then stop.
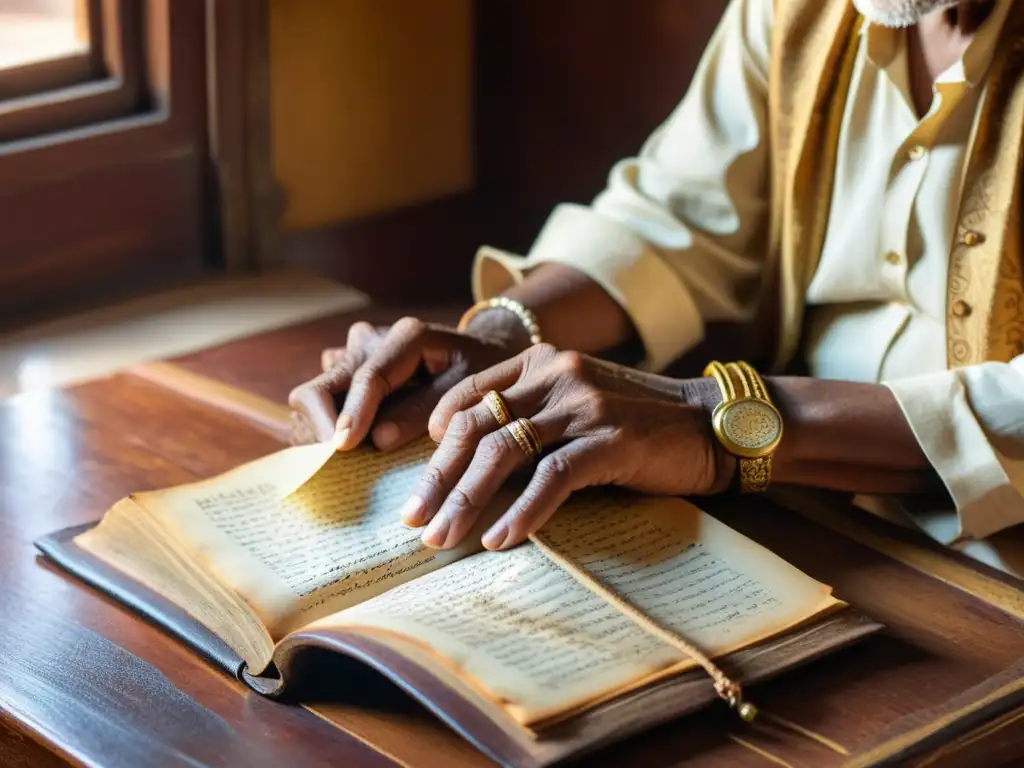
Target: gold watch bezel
<point x="718" y="416"/>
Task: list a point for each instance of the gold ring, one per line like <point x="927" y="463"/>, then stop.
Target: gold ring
<point x="496" y="403"/>
<point x="526" y="437"/>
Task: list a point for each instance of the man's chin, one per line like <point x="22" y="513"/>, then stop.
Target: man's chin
<point x="899" y="13"/>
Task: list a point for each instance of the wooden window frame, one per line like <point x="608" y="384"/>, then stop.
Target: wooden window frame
<point x="104" y="83"/>
<point x="179" y="185"/>
<point x="51" y="74"/>
<point x="84" y="147"/>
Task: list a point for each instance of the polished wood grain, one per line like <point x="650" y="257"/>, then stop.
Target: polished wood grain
<point x="81" y="675"/>
<point x="270" y="364"/>
<point x="91" y="683"/>
<point x="274" y="418"/>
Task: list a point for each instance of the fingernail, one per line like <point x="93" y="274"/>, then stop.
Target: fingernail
<point x="412" y="512"/>
<point x="436" y="533"/>
<point x="495" y="538"/>
<point x="386" y="435"/>
<point x="343" y="430"/>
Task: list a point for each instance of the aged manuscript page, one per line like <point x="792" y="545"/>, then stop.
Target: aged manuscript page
<point x="518" y="627"/>
<point x="296" y="556"/>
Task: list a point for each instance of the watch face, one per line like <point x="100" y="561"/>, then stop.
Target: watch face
<point x="752" y="425"/>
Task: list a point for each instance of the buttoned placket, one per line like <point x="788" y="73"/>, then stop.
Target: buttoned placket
<point x="907" y="175"/>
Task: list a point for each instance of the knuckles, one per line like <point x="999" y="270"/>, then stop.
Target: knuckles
<point x="461" y="427"/>
<point x="297" y="397"/>
<point x="496" y="448"/>
<point x="555" y="468"/>
<point x="432" y="482"/>
<point x="571" y="363"/>
<point x="409" y="327"/>
<point x="359" y="333"/>
<point x="369" y="376"/>
<point x="598" y="407"/>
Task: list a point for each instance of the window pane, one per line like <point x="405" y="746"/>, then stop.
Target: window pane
<point x="37" y="30"/>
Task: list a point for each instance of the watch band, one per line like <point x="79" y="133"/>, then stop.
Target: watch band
<point x="746" y="422"/>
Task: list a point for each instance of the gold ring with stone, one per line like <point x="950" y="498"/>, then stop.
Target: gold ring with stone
<point x="526" y="437"/>
<point x="496" y="404"/>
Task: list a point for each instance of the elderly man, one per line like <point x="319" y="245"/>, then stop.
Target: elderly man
<point x="843" y="180"/>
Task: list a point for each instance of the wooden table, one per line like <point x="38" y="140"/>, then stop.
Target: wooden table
<point x="83" y="681"/>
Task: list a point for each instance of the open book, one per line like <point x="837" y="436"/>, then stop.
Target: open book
<point x="304" y="549"/>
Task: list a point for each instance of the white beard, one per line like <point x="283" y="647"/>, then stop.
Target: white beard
<point x="899" y="13"/>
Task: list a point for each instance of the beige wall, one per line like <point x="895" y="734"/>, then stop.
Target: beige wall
<point x="370" y="104"/>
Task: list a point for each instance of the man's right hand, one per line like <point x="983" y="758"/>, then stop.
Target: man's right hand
<point x="376" y="366"/>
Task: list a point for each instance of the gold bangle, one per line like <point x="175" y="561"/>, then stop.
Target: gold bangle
<point x="718" y="372"/>
<point x="526" y="317"/>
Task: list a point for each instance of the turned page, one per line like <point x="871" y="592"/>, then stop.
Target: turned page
<point x="335" y="541"/>
<point x="525" y="632"/>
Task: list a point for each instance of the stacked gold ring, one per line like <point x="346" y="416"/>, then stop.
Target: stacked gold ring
<point x="496" y="404"/>
<point x="522" y="430"/>
<point x="526" y="437"/>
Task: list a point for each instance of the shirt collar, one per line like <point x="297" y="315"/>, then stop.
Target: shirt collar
<point x="884" y="43"/>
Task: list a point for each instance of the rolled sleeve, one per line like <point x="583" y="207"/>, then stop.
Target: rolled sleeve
<point x="969" y="423"/>
<point x="678" y="236"/>
<point x="612" y="255"/>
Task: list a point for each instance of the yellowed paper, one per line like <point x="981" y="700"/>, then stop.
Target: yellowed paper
<point x="534" y="638"/>
<point x="125" y="540"/>
<point x="295" y="556"/>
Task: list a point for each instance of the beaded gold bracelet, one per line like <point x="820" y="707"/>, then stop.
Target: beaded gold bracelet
<point x="526" y="317"/>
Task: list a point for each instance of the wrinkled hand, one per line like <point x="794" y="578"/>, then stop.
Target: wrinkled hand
<point x="600" y="423"/>
<point x="373" y="372"/>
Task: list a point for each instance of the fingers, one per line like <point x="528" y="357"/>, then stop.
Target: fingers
<point x="315" y="399"/>
<point x="474" y="460"/>
<point x="394" y="363"/>
<point x="404" y="420"/>
<point x="301" y="431"/>
<point x="449" y="462"/>
<point x="331" y="357"/>
<point x="496" y="457"/>
<point x="576" y="465"/>
<point x="470" y="391"/>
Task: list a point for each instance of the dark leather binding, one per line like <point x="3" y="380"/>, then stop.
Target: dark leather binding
<point x="505" y="743"/>
<point x="60" y="547"/>
<point x="618" y="719"/>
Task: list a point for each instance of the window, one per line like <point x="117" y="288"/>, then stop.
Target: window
<point x="103" y="156"/>
<point x="32" y="31"/>
<point x="131" y="134"/>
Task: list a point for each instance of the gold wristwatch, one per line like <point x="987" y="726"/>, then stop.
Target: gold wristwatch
<point x="746" y="422"/>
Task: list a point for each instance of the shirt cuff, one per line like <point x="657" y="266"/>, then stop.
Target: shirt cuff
<point x="937" y="407"/>
<point x="628" y="267"/>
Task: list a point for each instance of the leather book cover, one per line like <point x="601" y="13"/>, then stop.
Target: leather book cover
<point x="499" y="738"/>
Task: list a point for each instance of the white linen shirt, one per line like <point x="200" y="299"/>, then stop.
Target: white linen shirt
<point x="679" y="227"/>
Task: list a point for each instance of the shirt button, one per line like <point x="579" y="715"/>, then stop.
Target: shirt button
<point x="893" y="258"/>
<point x="971" y="238"/>
<point x="917" y="152"/>
<point x="961" y="308"/>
